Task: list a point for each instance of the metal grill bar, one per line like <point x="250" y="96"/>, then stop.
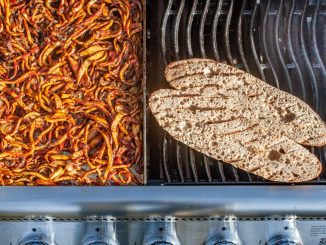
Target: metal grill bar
<point x="278" y="41"/>
<point x="240" y="38"/>
<point x="189" y="26"/>
<point x="291" y="51"/>
<point x="164" y="30"/>
<point x="227" y="33"/>
<point x="193" y="165"/>
<point x="264" y="44"/>
<point x="166" y="158"/>
<point x="207" y="168"/>
<point x="307" y="64"/>
<point x="221" y="169"/>
<point x="316" y="52"/>
<point x="253" y="27"/>
<point x="321" y="20"/>
<point x="314" y="38"/>
<point x="179" y="162"/>
<point x="214" y="29"/>
<point x="280" y="54"/>
<point x="202" y="29"/>
<point x="176" y="29"/>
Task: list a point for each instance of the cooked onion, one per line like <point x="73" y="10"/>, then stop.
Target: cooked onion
<point x="70" y="92"/>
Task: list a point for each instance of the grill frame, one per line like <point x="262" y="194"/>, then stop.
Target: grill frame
<point x="187" y="29"/>
<point x="130" y="203"/>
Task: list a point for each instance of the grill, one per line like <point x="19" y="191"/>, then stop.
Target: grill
<point x="281" y="42"/>
<point x="202" y="201"/>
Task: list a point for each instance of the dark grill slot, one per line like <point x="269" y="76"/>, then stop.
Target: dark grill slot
<point x="282" y="42"/>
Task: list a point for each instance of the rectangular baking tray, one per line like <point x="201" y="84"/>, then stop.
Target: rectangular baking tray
<point x="144" y="96"/>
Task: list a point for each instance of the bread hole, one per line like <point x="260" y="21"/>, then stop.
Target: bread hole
<point x="287" y="161"/>
<point x="282" y="151"/>
<point x="289" y="117"/>
<point x="193" y="108"/>
<point x="285" y="114"/>
<point x="295" y="175"/>
<point x="214" y="143"/>
<point x="274" y="155"/>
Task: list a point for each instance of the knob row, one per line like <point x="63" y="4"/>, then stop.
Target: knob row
<point x="163" y="232"/>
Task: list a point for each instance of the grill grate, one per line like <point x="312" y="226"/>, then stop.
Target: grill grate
<point x="282" y="42"/>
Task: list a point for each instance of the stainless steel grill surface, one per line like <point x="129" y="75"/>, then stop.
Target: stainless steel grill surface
<point x="281" y="42"/>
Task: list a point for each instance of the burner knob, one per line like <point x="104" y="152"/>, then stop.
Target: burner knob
<point x="223" y="232"/>
<point x="225" y="243"/>
<point x="36" y="239"/>
<point x="100" y="231"/>
<point x="41" y="237"/>
<point x="279" y="240"/>
<point x="162" y="243"/>
<point x="283" y="232"/>
<point x="161" y="232"/>
<point x="99" y="243"/>
<point x="38" y="232"/>
<point x="35" y="243"/>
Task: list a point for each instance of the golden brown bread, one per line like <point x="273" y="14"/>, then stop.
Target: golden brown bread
<point x="272" y="107"/>
<point x="230" y="115"/>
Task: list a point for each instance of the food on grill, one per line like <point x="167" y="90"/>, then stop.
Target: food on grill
<point x="230" y="115"/>
<point x="272" y="107"/>
<point x="70" y="92"/>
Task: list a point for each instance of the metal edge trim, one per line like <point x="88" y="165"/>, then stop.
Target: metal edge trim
<point x="144" y="94"/>
<point x="179" y="201"/>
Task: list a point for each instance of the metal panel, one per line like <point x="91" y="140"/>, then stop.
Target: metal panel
<point x="184" y="201"/>
<point x="190" y="232"/>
